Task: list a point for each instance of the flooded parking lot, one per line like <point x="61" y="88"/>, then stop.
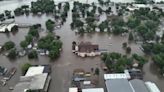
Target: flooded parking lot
<point x="62" y="67"/>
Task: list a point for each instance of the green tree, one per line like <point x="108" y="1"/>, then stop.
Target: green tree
<point x="130" y="38"/>
<point x="12" y="54"/>
<point x="54" y="53"/>
<point x="25" y="67"/>
<point x="14" y="28"/>
<point x="124" y="45"/>
<point x="29" y="38"/>
<point x="128" y="50"/>
<point x="9" y="45"/>
<point x="100" y="10"/>
<point x="24" y="44"/>
<point x="33" y="54"/>
<point x="33" y="32"/>
<point x="97" y="71"/>
<point x="50" y="25"/>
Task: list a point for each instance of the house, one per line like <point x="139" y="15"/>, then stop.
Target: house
<point x="87" y="49"/>
<point x="37" y="78"/>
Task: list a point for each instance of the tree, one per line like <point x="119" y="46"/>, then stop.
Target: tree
<point x="24" y="44"/>
<point x="25" y="67"/>
<point x="128" y="50"/>
<point x="50" y="25"/>
<point x="133" y="23"/>
<point x="14" y="28"/>
<point x="12" y="54"/>
<point x="33" y="32"/>
<point x="100" y="10"/>
<point x="54" y="53"/>
<point x="9" y="45"/>
<point x="97" y="71"/>
<point x="130" y="38"/>
<point x="29" y="38"/>
<point x="33" y="54"/>
<point x="124" y="45"/>
<point x="8" y="13"/>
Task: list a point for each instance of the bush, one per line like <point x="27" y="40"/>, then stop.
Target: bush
<point x="33" y="55"/>
<point x="97" y="71"/>
<point x="24" y="44"/>
<point x="14" y="28"/>
<point x="25" y="67"/>
<point x="128" y="50"/>
<point x="124" y="45"/>
<point x="12" y="54"/>
<point x="9" y="45"/>
<point x="50" y="25"/>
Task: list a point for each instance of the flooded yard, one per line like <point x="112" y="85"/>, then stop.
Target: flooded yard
<point x="63" y="67"/>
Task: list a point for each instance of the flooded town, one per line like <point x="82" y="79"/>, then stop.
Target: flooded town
<point x="81" y="45"/>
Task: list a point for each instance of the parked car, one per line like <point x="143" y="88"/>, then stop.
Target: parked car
<point x="3" y="70"/>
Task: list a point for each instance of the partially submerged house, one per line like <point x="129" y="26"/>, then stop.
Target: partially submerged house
<point x="84" y="49"/>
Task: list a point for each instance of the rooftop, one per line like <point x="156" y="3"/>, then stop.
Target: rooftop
<point x="73" y="89"/>
<point x="31" y="82"/>
<point x="152" y="87"/>
<point x="87" y="47"/>
<point x="139" y="85"/>
<point x="124" y="75"/>
<point x="118" y="85"/>
<point x="93" y="90"/>
<point x="35" y="70"/>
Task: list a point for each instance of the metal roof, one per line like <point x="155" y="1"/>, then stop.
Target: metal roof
<point x="115" y="76"/>
<point x="93" y="90"/>
<point x="31" y="82"/>
<point x="118" y="85"/>
<point x="139" y="85"/>
<point x="124" y="75"/>
<point x="73" y="89"/>
<point x="34" y="70"/>
<point x="152" y="87"/>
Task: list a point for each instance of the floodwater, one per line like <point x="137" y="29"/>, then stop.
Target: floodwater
<point x="62" y="67"/>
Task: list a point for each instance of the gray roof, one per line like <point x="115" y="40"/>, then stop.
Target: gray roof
<point x="31" y="82"/>
<point x="118" y="85"/>
<point x="139" y="85"/>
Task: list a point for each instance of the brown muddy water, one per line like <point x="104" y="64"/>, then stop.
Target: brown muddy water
<point x="62" y="67"/>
